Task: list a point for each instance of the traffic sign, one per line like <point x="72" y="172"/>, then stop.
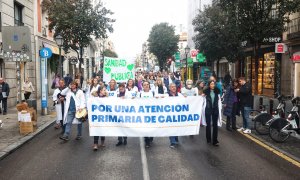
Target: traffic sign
<point x="45" y="53"/>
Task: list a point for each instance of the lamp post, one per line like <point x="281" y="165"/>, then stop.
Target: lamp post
<point x="187" y="51"/>
<point x="59" y="41"/>
<point x="73" y="60"/>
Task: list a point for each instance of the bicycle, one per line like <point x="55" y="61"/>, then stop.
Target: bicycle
<point x="262" y="121"/>
<point x="280" y="129"/>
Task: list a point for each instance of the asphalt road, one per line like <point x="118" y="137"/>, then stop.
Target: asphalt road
<point x="46" y="157"/>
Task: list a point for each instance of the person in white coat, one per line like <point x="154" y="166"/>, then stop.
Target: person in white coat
<point x="75" y="101"/>
<point x="131" y="89"/>
<point x="59" y="101"/>
<point x="160" y="88"/>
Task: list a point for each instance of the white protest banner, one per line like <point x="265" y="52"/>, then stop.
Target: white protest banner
<point x="170" y="116"/>
<point x="119" y="69"/>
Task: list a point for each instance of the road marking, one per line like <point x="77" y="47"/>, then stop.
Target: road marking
<point x="278" y="153"/>
<point x="144" y="160"/>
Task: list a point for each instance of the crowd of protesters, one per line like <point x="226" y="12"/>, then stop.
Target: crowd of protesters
<point x="71" y="98"/>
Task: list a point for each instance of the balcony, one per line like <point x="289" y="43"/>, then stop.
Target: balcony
<point x="19" y="23"/>
<point x="293" y="29"/>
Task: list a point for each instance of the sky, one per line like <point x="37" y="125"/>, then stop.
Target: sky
<point x="135" y="18"/>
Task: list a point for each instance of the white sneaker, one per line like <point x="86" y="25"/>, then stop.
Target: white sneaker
<point x="247" y="131"/>
<point x="241" y="129"/>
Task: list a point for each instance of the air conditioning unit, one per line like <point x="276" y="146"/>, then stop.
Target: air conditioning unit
<point x="44" y="31"/>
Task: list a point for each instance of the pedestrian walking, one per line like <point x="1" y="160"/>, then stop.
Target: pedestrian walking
<point x="231" y="105"/>
<point x="146" y="93"/>
<point x="160" y="88"/>
<point x="102" y="93"/>
<point x="68" y="79"/>
<point x="94" y="87"/>
<point x="227" y="79"/>
<point x="200" y="86"/>
<point x="244" y="93"/>
<point x="27" y="88"/>
<point x="188" y="90"/>
<point x="59" y="103"/>
<point x="4" y="93"/>
<point x="122" y="94"/>
<point x="75" y="101"/>
<point x="173" y="93"/>
<point x="112" y="88"/>
<point x="131" y="89"/>
<point x="212" y="112"/>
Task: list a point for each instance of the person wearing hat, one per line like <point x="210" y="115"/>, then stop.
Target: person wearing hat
<point x="75" y="101"/>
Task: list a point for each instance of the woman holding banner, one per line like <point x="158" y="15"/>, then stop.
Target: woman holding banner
<point x="212" y="112"/>
<point x="160" y="88"/>
<point x="131" y="89"/>
<point x="147" y="93"/>
<point x="123" y="94"/>
<point x="101" y="93"/>
<point x="112" y="88"/>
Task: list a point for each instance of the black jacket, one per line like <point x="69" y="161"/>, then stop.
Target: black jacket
<point x="5" y="88"/>
<point x="245" y="95"/>
<point x="212" y="107"/>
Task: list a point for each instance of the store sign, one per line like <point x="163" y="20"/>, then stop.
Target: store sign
<point x="296" y="57"/>
<point x="280" y="48"/>
<point x="272" y="39"/>
<point x="194" y="53"/>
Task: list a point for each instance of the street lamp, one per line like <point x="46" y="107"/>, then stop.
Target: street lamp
<point x="59" y="41"/>
<point x="187" y="51"/>
<point x="73" y="60"/>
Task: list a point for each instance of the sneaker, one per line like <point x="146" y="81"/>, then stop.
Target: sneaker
<point x="241" y="129"/>
<point x="172" y="146"/>
<point x="95" y="147"/>
<point x="65" y="138"/>
<point x="247" y="131"/>
<point x="78" y="137"/>
<point x="147" y="145"/>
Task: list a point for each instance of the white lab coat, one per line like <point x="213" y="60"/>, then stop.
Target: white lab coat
<point x="79" y="99"/>
<point x="202" y="116"/>
<point x="57" y="105"/>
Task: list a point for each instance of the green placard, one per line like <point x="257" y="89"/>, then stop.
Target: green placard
<point x="177" y="56"/>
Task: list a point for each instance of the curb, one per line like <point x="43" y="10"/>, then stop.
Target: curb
<point x="11" y="148"/>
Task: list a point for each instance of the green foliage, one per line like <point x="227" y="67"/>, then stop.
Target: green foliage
<point x="163" y="42"/>
<point x="77" y="21"/>
<point x="53" y="64"/>
<point x="216" y="36"/>
<point x="109" y="53"/>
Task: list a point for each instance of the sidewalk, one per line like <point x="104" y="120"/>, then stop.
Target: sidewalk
<point x="290" y="147"/>
<point x="11" y="139"/>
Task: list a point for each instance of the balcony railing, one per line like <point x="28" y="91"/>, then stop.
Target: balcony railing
<point x="18" y="23"/>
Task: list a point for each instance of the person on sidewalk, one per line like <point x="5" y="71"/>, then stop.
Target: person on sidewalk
<point x="75" y="101"/>
<point x="102" y="93"/>
<point x="146" y="93"/>
<point x="200" y="86"/>
<point x="4" y="93"/>
<point x="245" y="96"/>
<point x="230" y="105"/>
<point x="173" y="93"/>
<point x="59" y="102"/>
<point x="27" y="88"/>
<point x="213" y="114"/>
<point x="122" y="94"/>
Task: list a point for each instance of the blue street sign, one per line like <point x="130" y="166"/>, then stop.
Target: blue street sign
<point x="45" y="53"/>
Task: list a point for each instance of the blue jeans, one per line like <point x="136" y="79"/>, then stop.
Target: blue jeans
<point x="173" y="139"/>
<point x="70" y="118"/>
<point x="246" y="119"/>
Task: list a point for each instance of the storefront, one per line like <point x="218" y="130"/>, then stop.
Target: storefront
<point x="266" y="74"/>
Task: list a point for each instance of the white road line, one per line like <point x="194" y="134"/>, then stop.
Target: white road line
<point x="144" y="160"/>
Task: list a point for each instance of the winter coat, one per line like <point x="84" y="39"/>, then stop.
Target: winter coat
<point x="5" y="88"/>
<point x="245" y="95"/>
<point x="212" y="107"/>
<point x="229" y="97"/>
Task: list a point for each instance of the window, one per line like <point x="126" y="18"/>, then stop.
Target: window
<point x="18" y="14"/>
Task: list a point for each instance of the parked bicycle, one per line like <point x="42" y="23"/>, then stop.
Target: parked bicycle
<point x="280" y="129"/>
<point x="263" y="120"/>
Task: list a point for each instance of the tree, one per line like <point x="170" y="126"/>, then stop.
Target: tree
<point x="163" y="42"/>
<point x="109" y="53"/>
<point x="78" y="21"/>
<point x="259" y="19"/>
<point x="216" y="36"/>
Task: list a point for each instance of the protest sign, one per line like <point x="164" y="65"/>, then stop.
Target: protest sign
<point x="119" y="69"/>
<point x="171" y="116"/>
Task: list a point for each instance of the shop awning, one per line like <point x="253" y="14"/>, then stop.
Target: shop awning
<point x="54" y="48"/>
<point x="296" y="57"/>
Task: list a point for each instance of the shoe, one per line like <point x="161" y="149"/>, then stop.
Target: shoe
<point x="57" y="126"/>
<point x="125" y="142"/>
<point x="234" y="128"/>
<point x="65" y="138"/>
<point x="95" y="147"/>
<point x="241" y="129"/>
<point x="78" y="137"/>
<point x="172" y="146"/>
<point x="119" y="143"/>
<point x="0" y="110"/>
<point x="216" y="144"/>
<point x="147" y="145"/>
<point x="228" y="129"/>
<point x="191" y="136"/>
<point x="247" y="131"/>
<point x="102" y="143"/>
<point x="4" y="113"/>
